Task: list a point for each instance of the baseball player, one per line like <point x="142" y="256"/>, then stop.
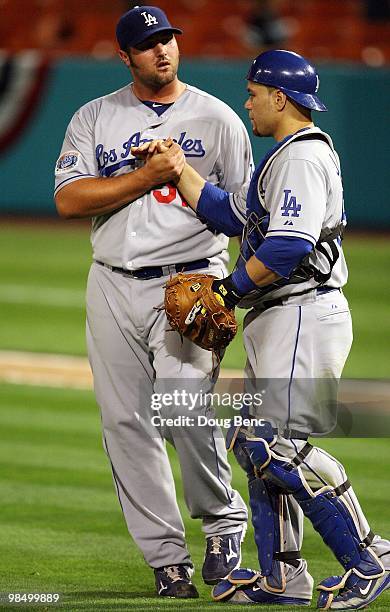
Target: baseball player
<point x="143" y="231"/>
<point x="297" y="336"/>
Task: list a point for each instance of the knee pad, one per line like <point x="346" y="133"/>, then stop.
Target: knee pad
<point x="239" y="439"/>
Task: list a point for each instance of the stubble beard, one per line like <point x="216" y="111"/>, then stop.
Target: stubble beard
<point x="156" y="81"/>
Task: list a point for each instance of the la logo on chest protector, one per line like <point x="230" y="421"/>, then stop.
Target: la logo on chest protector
<point x="149" y="19"/>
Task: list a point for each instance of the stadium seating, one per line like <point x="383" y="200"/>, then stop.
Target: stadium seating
<point x="321" y="29"/>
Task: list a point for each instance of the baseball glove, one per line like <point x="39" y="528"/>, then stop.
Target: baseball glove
<point x="196" y="312"/>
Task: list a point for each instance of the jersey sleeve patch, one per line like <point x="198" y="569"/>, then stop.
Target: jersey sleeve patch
<point x="67" y="162"/>
<point x="290" y="206"/>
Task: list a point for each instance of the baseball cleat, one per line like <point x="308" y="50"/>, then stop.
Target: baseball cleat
<point x="175" y="581"/>
<point x="223" y="555"/>
<point x="244" y="586"/>
<point x="355" y="592"/>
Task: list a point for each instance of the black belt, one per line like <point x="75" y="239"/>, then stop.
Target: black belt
<point x="280" y="301"/>
<point x="157" y="271"/>
<point x="326" y="289"/>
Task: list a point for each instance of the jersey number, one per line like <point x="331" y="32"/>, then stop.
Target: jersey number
<point x="290" y="205"/>
<point x="166" y="197"/>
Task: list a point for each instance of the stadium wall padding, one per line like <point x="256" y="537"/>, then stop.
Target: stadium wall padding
<point x="358" y="121"/>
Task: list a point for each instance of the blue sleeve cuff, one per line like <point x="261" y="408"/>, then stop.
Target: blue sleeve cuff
<point x="214" y="209"/>
<point x="283" y="254"/>
<point x="242" y="281"/>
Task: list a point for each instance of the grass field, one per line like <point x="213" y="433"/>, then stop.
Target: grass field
<point x="44" y="272"/>
<point x="61" y="526"/>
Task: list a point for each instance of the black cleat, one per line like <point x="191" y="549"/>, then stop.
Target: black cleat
<point x="355" y="592"/>
<point x="223" y="555"/>
<point x="175" y="581"/>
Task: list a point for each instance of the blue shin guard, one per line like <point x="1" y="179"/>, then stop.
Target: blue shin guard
<point x="267" y="503"/>
<point x="330" y="515"/>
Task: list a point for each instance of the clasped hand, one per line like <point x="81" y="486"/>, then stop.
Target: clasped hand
<point x="164" y="159"/>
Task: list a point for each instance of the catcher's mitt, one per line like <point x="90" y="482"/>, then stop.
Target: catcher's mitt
<point x="194" y="310"/>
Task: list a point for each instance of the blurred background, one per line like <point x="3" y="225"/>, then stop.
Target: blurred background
<point x="57" y="497"/>
<point x="356" y="30"/>
<point x="56" y="56"/>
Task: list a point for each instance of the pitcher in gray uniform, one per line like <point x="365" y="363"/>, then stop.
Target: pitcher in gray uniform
<point x="143" y="231"/>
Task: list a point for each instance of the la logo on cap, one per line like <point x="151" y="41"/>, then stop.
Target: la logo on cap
<point x="149" y="19"/>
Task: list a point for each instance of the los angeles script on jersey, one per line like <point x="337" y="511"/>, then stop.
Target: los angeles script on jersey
<point x="192" y="147"/>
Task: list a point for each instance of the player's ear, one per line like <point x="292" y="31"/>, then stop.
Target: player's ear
<point x="124" y="57"/>
<point x="280" y="99"/>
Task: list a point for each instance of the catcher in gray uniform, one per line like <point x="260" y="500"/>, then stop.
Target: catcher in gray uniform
<point x="297" y="337"/>
<point x="143" y="231"/>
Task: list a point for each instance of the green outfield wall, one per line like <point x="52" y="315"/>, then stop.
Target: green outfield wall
<point x="358" y="120"/>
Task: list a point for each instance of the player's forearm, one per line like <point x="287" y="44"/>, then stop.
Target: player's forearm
<point x="190" y="186"/>
<point x="211" y="203"/>
<point x="91" y="197"/>
<point x="242" y="281"/>
<point x="259" y="273"/>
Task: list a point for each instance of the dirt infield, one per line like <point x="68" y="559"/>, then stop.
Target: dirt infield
<point x="65" y="371"/>
<point x="45" y="370"/>
<point x="54" y="370"/>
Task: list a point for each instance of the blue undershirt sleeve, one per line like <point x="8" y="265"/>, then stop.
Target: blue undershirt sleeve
<point x="214" y="209"/>
<point x="283" y="254"/>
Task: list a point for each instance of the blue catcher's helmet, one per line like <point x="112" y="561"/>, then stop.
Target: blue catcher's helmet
<point x="289" y="72"/>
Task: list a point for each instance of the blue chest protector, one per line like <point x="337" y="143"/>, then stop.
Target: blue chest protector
<point x="253" y="203"/>
<point x="258" y="218"/>
<point x="255" y="213"/>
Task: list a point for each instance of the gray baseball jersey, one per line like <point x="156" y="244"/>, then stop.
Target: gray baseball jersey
<point x="131" y="351"/>
<point x="300" y="194"/>
<point x="98" y="143"/>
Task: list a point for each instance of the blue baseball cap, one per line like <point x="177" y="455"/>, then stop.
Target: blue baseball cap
<point x="139" y="23"/>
